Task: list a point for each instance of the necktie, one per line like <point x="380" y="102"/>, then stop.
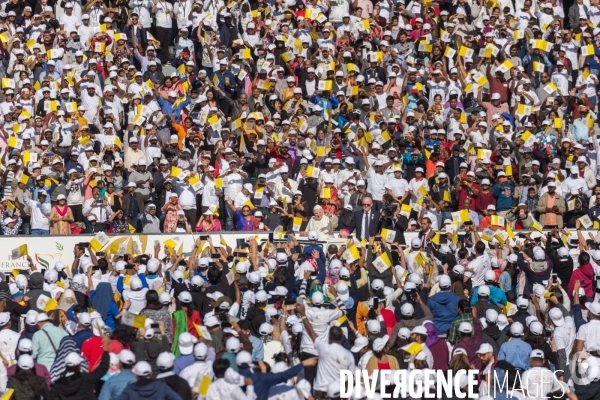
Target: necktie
<point x="366" y="226"/>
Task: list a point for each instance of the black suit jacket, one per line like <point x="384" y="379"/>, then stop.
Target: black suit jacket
<point x="140" y="35"/>
<point x="356" y="223"/>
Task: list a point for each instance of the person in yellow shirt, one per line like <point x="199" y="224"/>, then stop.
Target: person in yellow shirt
<point x="83" y="122"/>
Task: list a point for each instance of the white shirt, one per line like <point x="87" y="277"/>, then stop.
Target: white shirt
<point x="319" y="319"/>
<point x="196" y="370"/>
<point x="594" y="15"/>
<point x="561" y="80"/>
<point x="240" y="199"/>
<point x="571" y="53"/>
<point x="91" y="103"/>
<point x="163" y="18"/>
<point x="39" y="213"/>
<point x="282" y="191"/>
<point x="138" y="299"/>
<point x="101" y="212"/>
<point x="332" y="359"/>
<point x="480" y="265"/>
<point x="8" y="343"/>
<point x="376" y="183"/>
<point x="414" y="186"/>
<point x="235" y="182"/>
<point x="588" y="85"/>
<point x="220" y="389"/>
<point x="70" y="22"/>
<point x="181" y="11"/>
<point x="397" y="186"/>
<point x="564" y="336"/>
<point x="209" y="194"/>
<point x="436" y="88"/>
<point x="187" y="195"/>
<point x="590" y="335"/>
<point x="574" y="183"/>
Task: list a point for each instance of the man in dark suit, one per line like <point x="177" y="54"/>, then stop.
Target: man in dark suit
<point x="365" y="221"/>
<point x="136" y="34"/>
<point x="453" y="163"/>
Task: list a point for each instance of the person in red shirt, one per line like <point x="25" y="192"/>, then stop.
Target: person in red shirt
<point x="485" y="198"/>
<point x="92" y="348"/>
<point x="444" y="141"/>
<point x="487" y="219"/>
<point x="467" y="187"/>
<point x="331" y="204"/>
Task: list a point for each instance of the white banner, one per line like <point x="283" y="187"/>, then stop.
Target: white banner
<point x="47" y="250"/>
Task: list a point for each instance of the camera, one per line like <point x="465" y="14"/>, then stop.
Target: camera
<point x="389" y="207"/>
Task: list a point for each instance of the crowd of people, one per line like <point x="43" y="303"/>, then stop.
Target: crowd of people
<point x="449" y="147"/>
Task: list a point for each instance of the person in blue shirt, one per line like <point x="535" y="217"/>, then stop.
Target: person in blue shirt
<point x="170" y="106"/>
<point x="186" y="349"/>
<point x="580" y="129"/>
<point x="39" y="186"/>
<point x="226" y="82"/>
<point x="325" y="101"/>
<point x="443" y="305"/>
<point x="432" y="141"/>
<point x="503" y="190"/>
<point x="263" y="382"/>
<point x="516" y="351"/>
<point x="115" y="385"/>
<point x="131" y="272"/>
<point x="103" y="301"/>
<point x="497" y="295"/>
<point x="84" y="332"/>
<point x="72" y="163"/>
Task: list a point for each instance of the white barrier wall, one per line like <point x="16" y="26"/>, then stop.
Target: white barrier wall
<point x="47" y="250"/>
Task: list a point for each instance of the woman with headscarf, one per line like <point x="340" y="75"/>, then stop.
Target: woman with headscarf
<point x="66" y="303"/>
<point x="78" y="287"/>
<point x="184" y="319"/>
<point x="158" y="312"/>
<point x="438" y="347"/>
<point x="67" y="345"/>
<point x="103" y="301"/>
<point x="7" y="305"/>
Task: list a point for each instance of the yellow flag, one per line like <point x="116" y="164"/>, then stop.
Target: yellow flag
<point x="558" y="123"/>
<point x="131" y="228"/>
<point x="509" y="231"/>
<point x="50" y="305"/>
<point x="353" y="250"/>
<point x="19" y="252"/>
<point x="204" y="385"/>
